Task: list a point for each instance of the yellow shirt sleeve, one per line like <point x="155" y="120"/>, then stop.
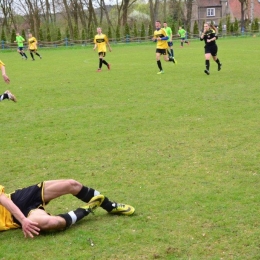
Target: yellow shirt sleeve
<point x="6" y="219"/>
<point x="1" y="64"/>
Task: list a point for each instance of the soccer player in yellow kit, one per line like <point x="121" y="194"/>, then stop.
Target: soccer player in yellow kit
<point x="101" y="43"/>
<point x="160" y="36"/>
<point x="32" y="41"/>
<point x="25" y="207"/>
<point x="7" y="94"/>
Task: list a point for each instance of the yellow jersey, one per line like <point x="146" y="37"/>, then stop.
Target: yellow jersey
<point x="1" y="64"/>
<point x="101" y="40"/>
<point x="32" y="43"/>
<point x="161" y="44"/>
<point x="6" y="219"/>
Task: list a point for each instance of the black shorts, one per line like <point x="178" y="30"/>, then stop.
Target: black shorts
<point x="213" y="50"/>
<point x="28" y="199"/>
<point x="161" y="51"/>
<point x="102" y="54"/>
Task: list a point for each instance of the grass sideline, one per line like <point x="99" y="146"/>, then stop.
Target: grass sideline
<point x="181" y="147"/>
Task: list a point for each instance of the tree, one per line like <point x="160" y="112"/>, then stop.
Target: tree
<point x="236" y="26"/>
<point x="41" y="37"/>
<point x="67" y="33"/>
<point x="135" y="30"/>
<point x="154" y="9"/>
<point x="91" y="33"/>
<point x="257" y="24"/>
<point x="48" y="35"/>
<point x="127" y="30"/>
<point x="228" y="24"/>
<point x="13" y="35"/>
<point x="3" y="37"/>
<point x="117" y="33"/>
<point x="243" y="6"/>
<point x="173" y="27"/>
<point x="109" y="34"/>
<point x="150" y="30"/>
<point x="195" y="29"/>
<point x="83" y="35"/>
<point x="142" y="34"/>
<point x="23" y="34"/>
<point x="189" y="12"/>
<point x="58" y="35"/>
<point x="220" y="27"/>
<point x="75" y="32"/>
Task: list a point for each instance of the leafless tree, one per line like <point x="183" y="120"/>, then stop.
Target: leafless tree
<point x="244" y="5"/>
<point x="154" y="9"/>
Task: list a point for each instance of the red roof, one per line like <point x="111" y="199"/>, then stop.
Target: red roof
<point x="208" y="3"/>
<point x="235" y="9"/>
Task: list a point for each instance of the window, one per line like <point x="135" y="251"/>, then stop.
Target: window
<point x="210" y="11"/>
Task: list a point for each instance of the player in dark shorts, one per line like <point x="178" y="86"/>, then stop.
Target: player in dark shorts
<point x="211" y="49"/>
<point x="26" y="207"/>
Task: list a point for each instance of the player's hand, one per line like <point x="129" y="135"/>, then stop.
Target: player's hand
<point x="30" y="228"/>
<point x="6" y="78"/>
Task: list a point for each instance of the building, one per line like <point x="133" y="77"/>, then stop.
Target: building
<point x="217" y="10"/>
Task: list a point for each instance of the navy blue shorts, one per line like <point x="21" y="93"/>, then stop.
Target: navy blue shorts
<point x="28" y="199"/>
<point x="20" y="48"/>
<point x="170" y="44"/>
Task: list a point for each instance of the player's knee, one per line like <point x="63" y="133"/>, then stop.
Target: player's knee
<point x="74" y="185"/>
<point x="53" y="223"/>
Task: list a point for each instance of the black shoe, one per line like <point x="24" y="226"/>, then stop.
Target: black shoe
<point x="207" y="72"/>
<point x="219" y="66"/>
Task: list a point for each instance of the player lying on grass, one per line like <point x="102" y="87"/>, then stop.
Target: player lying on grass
<point x="7" y="94"/>
<point x="25" y="207"/>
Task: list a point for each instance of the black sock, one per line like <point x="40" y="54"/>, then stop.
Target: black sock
<point x="105" y="62"/>
<point x="37" y="54"/>
<point x="159" y="65"/>
<point x="86" y="194"/>
<point x="217" y="61"/>
<point x="207" y="64"/>
<point x="24" y="54"/>
<point x="32" y="55"/>
<point x="21" y="54"/>
<point x="100" y="63"/>
<point x="4" y="96"/>
<point x="172" y="52"/>
<point x="107" y="205"/>
<point x="74" y="216"/>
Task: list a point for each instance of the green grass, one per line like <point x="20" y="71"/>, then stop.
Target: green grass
<point x="182" y="147"/>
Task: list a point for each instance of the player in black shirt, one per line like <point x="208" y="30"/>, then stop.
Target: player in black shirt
<point x="209" y="36"/>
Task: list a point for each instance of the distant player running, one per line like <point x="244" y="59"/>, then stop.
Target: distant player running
<point x="101" y="43"/>
<point x="7" y="94"/>
<point x="19" y="40"/>
<point x="160" y="36"/>
<point x="169" y="42"/>
<point x="32" y="41"/>
<point x="182" y="33"/>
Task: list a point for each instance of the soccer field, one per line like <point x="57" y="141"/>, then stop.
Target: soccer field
<point x="182" y="148"/>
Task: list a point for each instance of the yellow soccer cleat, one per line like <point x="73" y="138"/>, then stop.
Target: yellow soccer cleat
<point x="94" y="203"/>
<point x="122" y="209"/>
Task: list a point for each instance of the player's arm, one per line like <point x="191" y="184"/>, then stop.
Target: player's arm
<point x="29" y="228"/>
<point x="5" y="77"/>
<point x="109" y="47"/>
